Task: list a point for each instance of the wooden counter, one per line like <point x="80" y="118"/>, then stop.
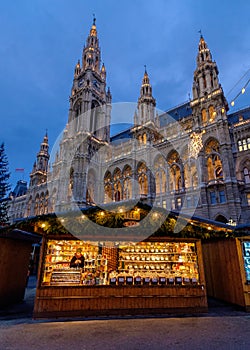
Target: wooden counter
<point x="119" y="300"/>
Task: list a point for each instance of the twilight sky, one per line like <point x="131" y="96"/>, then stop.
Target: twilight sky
<point x="41" y="41"/>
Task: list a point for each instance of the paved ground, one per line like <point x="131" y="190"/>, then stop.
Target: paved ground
<point x="224" y="327"/>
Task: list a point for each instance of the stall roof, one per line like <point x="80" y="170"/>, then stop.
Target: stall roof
<point x="20" y="235"/>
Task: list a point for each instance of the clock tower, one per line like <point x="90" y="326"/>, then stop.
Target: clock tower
<point x="90" y="102"/>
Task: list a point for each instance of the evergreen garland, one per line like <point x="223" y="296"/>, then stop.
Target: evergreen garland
<point x="4" y="186"/>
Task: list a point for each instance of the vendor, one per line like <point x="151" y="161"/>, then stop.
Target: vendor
<point x="78" y="259"/>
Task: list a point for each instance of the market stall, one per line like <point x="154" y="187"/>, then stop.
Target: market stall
<point x="157" y="275"/>
<point x="227" y="270"/>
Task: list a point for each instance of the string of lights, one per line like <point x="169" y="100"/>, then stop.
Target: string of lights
<point x="243" y="90"/>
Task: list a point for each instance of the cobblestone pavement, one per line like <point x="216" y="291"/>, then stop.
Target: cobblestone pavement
<point x="224" y="327"/>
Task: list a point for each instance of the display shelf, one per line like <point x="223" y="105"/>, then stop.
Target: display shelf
<point x="65" y="277"/>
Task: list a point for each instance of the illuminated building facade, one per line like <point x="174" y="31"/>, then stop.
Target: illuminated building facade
<point x="194" y="158"/>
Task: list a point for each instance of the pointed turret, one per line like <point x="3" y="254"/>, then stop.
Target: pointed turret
<point x="209" y="103"/>
<point x="146" y="102"/>
<point x="103" y="72"/>
<point x="40" y="167"/>
<point x="77" y="69"/>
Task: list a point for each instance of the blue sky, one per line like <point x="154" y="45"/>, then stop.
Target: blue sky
<point x="41" y="40"/>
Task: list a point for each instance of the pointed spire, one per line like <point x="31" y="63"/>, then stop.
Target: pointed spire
<point x="146" y="88"/>
<point x="91" y="56"/>
<point x="103" y="68"/>
<point x="204" y="54"/>
<point x="145" y="80"/>
<point x="109" y="96"/>
<point x="146" y="102"/>
<point x="77" y="69"/>
<point x="93" y="31"/>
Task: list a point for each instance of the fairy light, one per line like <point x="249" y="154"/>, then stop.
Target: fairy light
<point x="242" y="91"/>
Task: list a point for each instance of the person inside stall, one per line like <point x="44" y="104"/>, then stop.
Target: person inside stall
<point x="78" y="259"/>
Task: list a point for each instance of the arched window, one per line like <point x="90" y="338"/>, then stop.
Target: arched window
<point x="127" y="182"/>
<point x="142" y="180"/>
<point x="204" y="116"/>
<point x="37" y="205"/>
<point x="160" y="165"/>
<point x="246" y="173"/>
<point x="29" y="206"/>
<point x="214" y="163"/>
<point x="176" y="175"/>
<point x="91" y="181"/>
<point x="212" y="113"/>
<point x="117" y="176"/>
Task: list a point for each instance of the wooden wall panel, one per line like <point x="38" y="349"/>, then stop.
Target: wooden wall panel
<point x="222" y="271"/>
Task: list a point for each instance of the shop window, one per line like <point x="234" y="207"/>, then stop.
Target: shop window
<point x="213" y="197"/>
<point x="222" y="196"/>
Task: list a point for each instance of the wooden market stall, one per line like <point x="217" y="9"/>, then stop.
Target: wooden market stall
<point x="15" y="249"/>
<point x="227" y="270"/>
<point x="158" y="275"/>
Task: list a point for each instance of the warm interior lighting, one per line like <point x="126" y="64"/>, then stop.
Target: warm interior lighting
<point x="209" y="228"/>
<point x="223" y="110"/>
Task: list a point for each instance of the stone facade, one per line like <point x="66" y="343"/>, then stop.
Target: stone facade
<point x="194" y="158"/>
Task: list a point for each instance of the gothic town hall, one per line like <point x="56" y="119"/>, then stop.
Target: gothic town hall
<point x="194" y="158"/>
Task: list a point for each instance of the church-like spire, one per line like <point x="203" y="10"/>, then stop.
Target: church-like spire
<point x="208" y="101"/>
<point x="206" y="73"/>
<point x="91" y="56"/>
<point x="204" y="54"/>
<point x="43" y="155"/>
<point x="146" y="88"/>
<point x="89" y="97"/>
<point x="40" y="167"/>
<point x="146" y="102"/>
